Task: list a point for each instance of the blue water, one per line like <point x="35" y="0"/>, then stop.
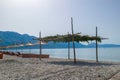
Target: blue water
<point x="105" y="54"/>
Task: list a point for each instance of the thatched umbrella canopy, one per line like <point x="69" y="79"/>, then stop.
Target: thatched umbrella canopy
<point x="68" y="37"/>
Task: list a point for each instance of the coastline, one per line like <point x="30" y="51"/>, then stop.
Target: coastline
<point x="13" y="67"/>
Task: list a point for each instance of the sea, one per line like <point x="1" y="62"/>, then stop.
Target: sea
<point x="104" y="54"/>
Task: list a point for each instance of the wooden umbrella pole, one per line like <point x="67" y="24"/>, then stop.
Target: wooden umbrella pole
<point x="73" y="40"/>
<point x="68" y="46"/>
<point x="96" y="45"/>
<point x="40" y="45"/>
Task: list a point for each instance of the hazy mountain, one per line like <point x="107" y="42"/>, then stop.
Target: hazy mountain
<point x="11" y="38"/>
<point x="92" y="45"/>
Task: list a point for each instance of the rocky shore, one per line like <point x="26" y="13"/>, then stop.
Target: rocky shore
<point x="17" y="68"/>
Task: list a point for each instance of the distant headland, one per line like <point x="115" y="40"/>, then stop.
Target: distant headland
<point x="11" y="38"/>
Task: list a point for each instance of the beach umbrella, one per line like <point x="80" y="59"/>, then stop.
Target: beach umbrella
<point x="37" y="43"/>
<point x="29" y="44"/>
<point x="71" y="38"/>
<point x="21" y="45"/>
<point x="41" y="41"/>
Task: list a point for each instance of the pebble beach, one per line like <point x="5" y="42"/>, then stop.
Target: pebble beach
<point x="17" y="68"/>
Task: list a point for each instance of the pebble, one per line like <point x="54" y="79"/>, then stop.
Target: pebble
<point x="17" y="68"/>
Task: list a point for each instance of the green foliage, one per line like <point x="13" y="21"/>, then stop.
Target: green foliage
<point x="66" y="38"/>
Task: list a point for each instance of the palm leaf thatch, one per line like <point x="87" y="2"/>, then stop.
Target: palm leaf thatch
<point x="68" y="37"/>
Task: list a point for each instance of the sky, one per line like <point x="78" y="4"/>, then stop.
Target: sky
<point x="53" y="17"/>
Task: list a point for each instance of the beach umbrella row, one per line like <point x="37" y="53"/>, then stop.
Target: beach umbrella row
<point x="21" y="45"/>
<point x="64" y="38"/>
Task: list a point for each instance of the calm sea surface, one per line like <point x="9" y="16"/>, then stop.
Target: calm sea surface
<point x="105" y="54"/>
